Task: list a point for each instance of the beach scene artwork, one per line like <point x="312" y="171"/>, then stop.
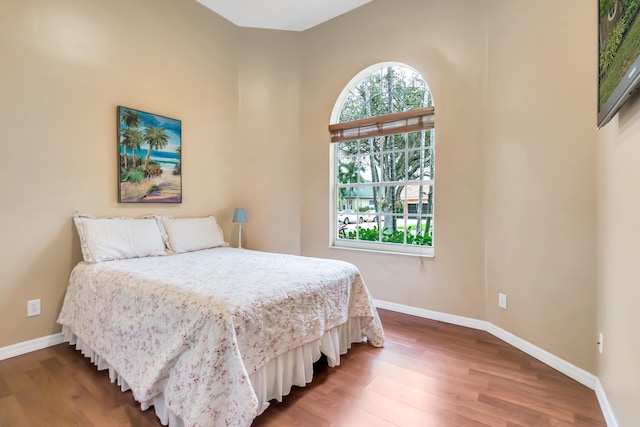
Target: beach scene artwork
<point x="150" y="157"/>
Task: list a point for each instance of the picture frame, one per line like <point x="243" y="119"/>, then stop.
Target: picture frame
<point x="149" y="157"/>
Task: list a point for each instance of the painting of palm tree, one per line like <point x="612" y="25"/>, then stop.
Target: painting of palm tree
<point x="150" y="157"/>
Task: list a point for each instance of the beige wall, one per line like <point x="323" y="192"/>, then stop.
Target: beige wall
<point x="618" y="266"/>
<point x="64" y="67"/>
<point x="540" y="187"/>
<point x="268" y="139"/>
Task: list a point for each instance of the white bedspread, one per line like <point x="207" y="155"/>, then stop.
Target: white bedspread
<point x="196" y="325"/>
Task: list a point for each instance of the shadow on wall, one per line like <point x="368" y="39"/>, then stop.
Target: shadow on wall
<point x="628" y="118"/>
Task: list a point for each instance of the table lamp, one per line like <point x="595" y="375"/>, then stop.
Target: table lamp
<point x="240" y="216"/>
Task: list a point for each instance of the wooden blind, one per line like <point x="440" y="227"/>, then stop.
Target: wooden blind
<point x="389" y="124"/>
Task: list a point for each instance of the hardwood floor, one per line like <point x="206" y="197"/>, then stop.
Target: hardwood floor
<point x="428" y="374"/>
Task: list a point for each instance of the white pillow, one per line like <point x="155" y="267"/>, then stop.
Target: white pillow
<point x="192" y="234"/>
<point x="105" y="239"/>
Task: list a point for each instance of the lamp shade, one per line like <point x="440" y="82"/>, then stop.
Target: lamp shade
<point x="239" y="215"/>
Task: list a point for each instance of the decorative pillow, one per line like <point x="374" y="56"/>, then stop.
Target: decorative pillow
<point x="192" y="234"/>
<point x="105" y="239"/>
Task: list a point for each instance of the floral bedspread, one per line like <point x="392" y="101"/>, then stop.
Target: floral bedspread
<point x="196" y="325"/>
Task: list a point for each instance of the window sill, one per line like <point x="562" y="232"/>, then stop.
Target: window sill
<point x="424" y="253"/>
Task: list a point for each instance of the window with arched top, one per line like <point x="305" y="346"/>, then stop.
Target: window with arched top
<point x="383" y="177"/>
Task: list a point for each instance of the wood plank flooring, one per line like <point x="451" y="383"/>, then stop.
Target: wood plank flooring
<point x="428" y="374"/>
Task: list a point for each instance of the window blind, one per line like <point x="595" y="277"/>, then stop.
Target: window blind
<point x="389" y="124"/>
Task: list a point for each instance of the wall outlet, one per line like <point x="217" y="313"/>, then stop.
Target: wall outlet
<point x="33" y="307"/>
<point x="600" y="342"/>
<point x="502" y="301"/>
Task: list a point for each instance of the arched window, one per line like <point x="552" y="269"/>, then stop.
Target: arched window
<point x="383" y="152"/>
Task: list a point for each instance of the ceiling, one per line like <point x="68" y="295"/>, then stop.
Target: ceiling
<point x="292" y="15"/>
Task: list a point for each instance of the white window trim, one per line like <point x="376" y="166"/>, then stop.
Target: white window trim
<point x="368" y="246"/>
<point x="346" y="244"/>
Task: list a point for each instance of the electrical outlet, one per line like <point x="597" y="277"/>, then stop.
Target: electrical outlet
<point x="33" y="307"/>
<point x="502" y="301"/>
<point x="600" y="342"/>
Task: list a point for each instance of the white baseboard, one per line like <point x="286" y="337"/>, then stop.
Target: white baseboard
<point x="29" y="346"/>
<point x="570" y="370"/>
<point x="607" y="411"/>
<point x="433" y="315"/>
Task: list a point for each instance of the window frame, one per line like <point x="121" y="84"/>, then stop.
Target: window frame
<point x="379" y="126"/>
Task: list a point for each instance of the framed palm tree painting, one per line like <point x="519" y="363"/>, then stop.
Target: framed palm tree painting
<point x="150" y="157"/>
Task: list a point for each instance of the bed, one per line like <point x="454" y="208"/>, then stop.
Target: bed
<point x="208" y="336"/>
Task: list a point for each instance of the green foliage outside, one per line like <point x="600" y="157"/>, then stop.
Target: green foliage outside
<point x="387" y="236"/>
<point x="387" y="159"/>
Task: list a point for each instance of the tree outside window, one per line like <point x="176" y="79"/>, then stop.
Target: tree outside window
<point x="384" y="161"/>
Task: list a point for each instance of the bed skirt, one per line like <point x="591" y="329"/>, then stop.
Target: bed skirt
<point x="272" y="381"/>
